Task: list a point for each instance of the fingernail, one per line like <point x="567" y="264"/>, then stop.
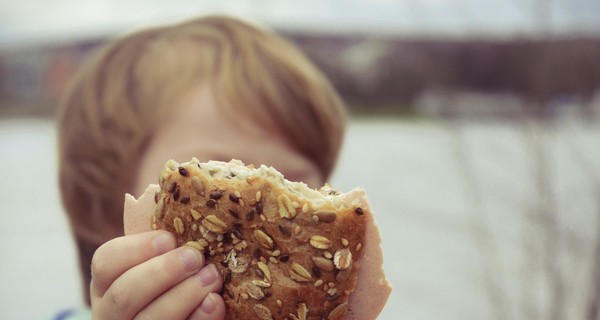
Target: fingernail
<point x="209" y="305"/>
<point x="190" y="259"/>
<point x="208" y="275"/>
<point x="163" y="243"/>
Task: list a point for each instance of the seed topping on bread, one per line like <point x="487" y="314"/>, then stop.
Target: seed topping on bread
<point x="285" y="251"/>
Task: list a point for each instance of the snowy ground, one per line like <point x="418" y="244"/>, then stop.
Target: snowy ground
<point x="479" y="221"/>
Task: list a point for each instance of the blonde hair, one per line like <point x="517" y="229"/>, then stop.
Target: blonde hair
<point x="108" y="116"/>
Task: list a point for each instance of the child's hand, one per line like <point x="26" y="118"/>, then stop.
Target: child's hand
<point x="141" y="276"/>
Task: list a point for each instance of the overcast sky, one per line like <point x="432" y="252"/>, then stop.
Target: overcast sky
<point x="34" y="20"/>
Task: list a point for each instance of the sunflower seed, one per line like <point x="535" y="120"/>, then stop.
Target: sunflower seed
<point x="282" y="201"/>
<point x="260" y="283"/>
<point x="263" y="239"/>
<point x="255" y="292"/>
<point x="323" y="263"/>
<point x="265" y="270"/>
<point x="262" y="312"/>
<point x="338" y="312"/>
<point x="344" y="242"/>
<point x="197" y="185"/>
<point x="258" y="196"/>
<point x="194" y="245"/>
<point x="158" y="210"/>
<point x="325" y="215"/>
<point x="202" y="242"/>
<point x="214" y="224"/>
<point x="299" y="273"/>
<point x="302" y="311"/>
<point x="342" y="275"/>
<point x="305" y="208"/>
<point x="195" y="214"/>
<point x="320" y="242"/>
<point x="241" y="245"/>
<point x="178" y="224"/>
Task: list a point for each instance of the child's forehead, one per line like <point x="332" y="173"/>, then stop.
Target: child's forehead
<point x="197" y="128"/>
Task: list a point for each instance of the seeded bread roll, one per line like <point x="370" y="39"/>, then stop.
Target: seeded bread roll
<point x="286" y="251"/>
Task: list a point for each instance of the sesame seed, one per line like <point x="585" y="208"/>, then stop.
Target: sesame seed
<point x="359" y="211"/>
<point x="344" y="242"/>
<point x="279" y="303"/>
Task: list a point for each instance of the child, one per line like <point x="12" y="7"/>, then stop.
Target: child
<point x="213" y="88"/>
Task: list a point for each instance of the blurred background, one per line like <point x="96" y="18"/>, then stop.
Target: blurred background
<point x="474" y="129"/>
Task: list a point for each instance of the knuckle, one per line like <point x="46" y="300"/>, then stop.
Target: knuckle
<point x="118" y="299"/>
<point x="101" y="260"/>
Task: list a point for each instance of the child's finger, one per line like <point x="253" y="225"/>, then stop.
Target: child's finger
<point x="181" y="300"/>
<point x="140" y="285"/>
<point x="212" y="308"/>
<point x="118" y="255"/>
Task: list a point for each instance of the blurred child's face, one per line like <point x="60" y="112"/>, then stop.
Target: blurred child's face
<point x="198" y="129"/>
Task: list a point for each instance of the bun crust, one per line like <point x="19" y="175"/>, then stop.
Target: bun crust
<point x="286" y="251"/>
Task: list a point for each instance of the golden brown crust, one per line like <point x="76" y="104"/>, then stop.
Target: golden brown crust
<point x="285" y="252"/>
